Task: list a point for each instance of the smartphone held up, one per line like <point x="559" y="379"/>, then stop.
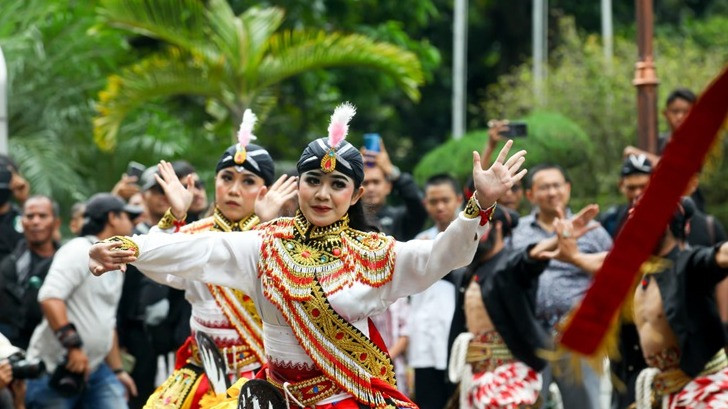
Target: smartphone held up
<point x="514" y="129"/>
<point x="135" y="169"/>
<point x="371" y="142"/>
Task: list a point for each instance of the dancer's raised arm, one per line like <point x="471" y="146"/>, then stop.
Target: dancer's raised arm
<point x="420" y="263"/>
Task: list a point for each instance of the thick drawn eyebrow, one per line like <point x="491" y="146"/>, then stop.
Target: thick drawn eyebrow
<point x="340" y="177"/>
<point x="319" y="174"/>
<point x="244" y="172"/>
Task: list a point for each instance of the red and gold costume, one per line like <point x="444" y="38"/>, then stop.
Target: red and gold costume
<point x="316" y="288"/>
<point x="227" y="315"/>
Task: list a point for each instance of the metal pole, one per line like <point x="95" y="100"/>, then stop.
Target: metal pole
<point x="607" y="32"/>
<point x="3" y="105"/>
<point x="459" y="67"/>
<point x="645" y="79"/>
<point x="539" y="33"/>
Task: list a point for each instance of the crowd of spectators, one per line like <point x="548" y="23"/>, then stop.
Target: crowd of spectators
<point x="107" y="342"/>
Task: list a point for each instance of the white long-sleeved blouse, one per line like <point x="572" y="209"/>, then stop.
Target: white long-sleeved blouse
<point x="233" y="259"/>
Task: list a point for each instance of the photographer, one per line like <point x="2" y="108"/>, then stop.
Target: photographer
<point x="22" y="272"/>
<point x="12" y="391"/>
<point x="77" y="338"/>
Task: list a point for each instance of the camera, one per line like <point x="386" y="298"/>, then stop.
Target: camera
<point x="515" y="130"/>
<point x="135" y="169"/>
<point x="65" y="382"/>
<point x="24" y="368"/>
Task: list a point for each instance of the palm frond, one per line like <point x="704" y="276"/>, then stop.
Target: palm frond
<point x="46" y="166"/>
<point x="259" y="25"/>
<point x="173" y="72"/>
<point x="178" y="22"/>
<point x="243" y="39"/>
<point x="293" y="52"/>
<point x="225" y="30"/>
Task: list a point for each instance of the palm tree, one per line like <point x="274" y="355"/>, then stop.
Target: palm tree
<point x="55" y="70"/>
<point x="234" y="62"/>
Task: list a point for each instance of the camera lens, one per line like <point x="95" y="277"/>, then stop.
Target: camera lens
<point x="65" y="382"/>
<point x="24" y="368"/>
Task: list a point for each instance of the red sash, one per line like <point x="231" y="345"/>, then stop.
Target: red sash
<point x="637" y="239"/>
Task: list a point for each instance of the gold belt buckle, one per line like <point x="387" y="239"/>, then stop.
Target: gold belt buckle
<point x="487" y="351"/>
<point x="478" y="351"/>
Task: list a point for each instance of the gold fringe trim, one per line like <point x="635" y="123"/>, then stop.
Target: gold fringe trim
<point x="231" y="400"/>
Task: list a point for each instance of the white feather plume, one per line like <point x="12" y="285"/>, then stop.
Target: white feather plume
<point x="245" y="133"/>
<point x="339" y="125"/>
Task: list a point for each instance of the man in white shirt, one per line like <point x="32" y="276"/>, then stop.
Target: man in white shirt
<point x="431" y="311"/>
<point x="77" y="338"/>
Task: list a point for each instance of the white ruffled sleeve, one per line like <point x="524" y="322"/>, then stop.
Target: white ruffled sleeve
<point x="227" y="259"/>
<point x="420" y="263"/>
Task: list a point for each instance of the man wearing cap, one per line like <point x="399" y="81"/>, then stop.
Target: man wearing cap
<point x="23" y="271"/>
<point x="153" y="318"/>
<point x="157" y="203"/>
<point x="154" y="200"/>
<point x="78" y="333"/>
<point x="634" y="178"/>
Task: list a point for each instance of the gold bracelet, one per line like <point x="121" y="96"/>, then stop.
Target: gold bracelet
<point x="168" y="220"/>
<point x="126" y="243"/>
<point x="473" y="210"/>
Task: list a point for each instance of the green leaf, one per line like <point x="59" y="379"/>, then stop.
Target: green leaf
<point x="158" y="76"/>
<point x="293" y="52"/>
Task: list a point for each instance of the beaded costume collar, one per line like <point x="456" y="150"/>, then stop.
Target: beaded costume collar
<point x="305" y="231"/>
<point x="222" y="223"/>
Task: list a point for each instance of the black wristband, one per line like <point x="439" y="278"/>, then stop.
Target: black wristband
<point x="68" y="337"/>
<point x="117" y="371"/>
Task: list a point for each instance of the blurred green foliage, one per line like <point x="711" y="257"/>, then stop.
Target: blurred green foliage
<point x="601" y="99"/>
<point x="60" y="54"/>
<point x="56" y="66"/>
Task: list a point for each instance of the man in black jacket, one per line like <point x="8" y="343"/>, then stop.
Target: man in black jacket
<point x="23" y="271"/>
<point x="381" y="177"/>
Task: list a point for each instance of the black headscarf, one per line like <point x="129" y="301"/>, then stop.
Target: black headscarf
<point x="348" y="159"/>
<point x="257" y="160"/>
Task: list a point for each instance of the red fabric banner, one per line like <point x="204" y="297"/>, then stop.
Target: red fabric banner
<point x="682" y="158"/>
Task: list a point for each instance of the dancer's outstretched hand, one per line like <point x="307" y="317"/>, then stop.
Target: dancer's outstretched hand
<point x="179" y="197"/>
<point x="107" y="256"/>
<point x="270" y="200"/>
<point x="494" y="182"/>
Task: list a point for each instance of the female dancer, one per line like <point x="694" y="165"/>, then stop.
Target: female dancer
<point x="226" y="315"/>
<point x="317" y="277"/>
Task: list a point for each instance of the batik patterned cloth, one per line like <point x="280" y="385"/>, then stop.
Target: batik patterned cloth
<point x="703" y="392"/>
<point x="510" y="386"/>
